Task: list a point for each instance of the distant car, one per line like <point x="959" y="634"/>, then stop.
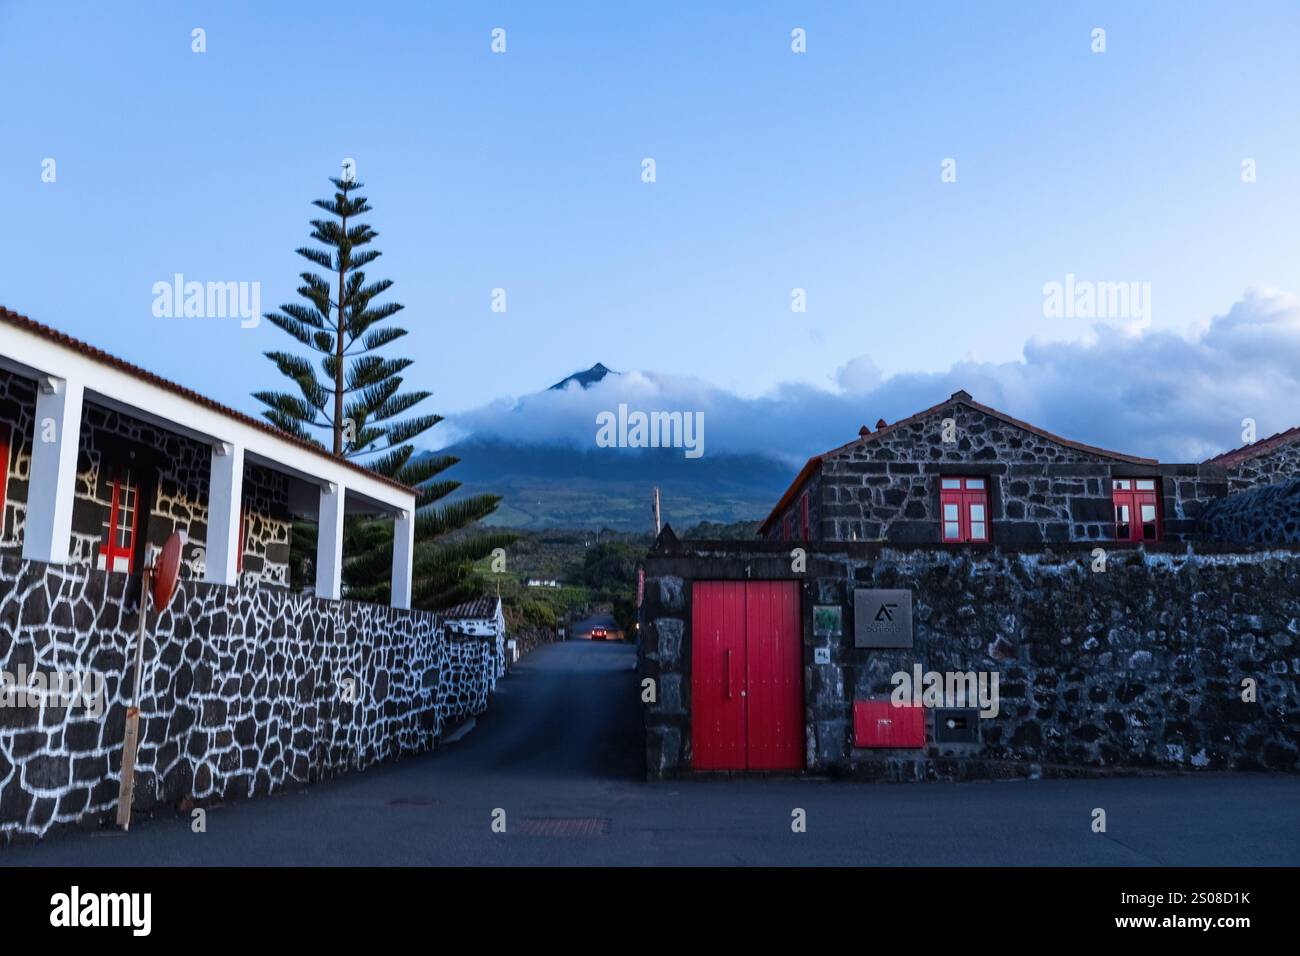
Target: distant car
<point x="599" y="634"/>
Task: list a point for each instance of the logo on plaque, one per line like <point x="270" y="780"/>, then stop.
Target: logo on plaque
<point x="882" y="618"/>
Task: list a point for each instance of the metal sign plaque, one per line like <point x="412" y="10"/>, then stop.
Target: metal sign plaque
<point x="882" y="618"/>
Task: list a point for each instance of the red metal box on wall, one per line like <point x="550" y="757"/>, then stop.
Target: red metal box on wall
<point x="879" y="723"/>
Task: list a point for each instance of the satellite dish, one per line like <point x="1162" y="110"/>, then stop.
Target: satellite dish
<point x="167" y="570"/>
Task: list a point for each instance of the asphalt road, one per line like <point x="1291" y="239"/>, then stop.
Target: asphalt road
<point x="559" y="744"/>
<point x="582" y="629"/>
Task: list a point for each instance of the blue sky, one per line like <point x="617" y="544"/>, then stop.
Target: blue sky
<point x="774" y="171"/>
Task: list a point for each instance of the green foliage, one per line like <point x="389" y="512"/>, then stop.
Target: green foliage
<point x="351" y="392"/>
<point x="611" y="566"/>
<point x="354" y="394"/>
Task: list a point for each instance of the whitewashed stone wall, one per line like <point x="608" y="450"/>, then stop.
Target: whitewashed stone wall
<point x="246" y="692"/>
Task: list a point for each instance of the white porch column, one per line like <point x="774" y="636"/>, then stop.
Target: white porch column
<point x="329" y="543"/>
<point x="403" y="558"/>
<point x="225" y="501"/>
<point x="47" y="530"/>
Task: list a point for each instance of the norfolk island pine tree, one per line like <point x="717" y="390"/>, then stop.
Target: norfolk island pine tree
<point x="357" y="401"/>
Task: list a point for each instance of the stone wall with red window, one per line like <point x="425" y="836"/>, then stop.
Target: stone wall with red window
<point x="793" y="513"/>
<point x="886" y="487"/>
<point x="170" y="471"/>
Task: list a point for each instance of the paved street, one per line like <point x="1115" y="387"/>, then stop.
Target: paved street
<point x="582" y="629"/>
<point x="560" y="741"/>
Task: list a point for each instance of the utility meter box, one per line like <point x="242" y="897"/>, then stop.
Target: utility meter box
<point x="881" y="724"/>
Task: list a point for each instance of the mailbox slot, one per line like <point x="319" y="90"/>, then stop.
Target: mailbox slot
<point x="956" y="725"/>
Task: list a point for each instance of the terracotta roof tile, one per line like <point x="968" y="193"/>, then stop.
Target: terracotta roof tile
<point x="480" y="608"/>
<point x="1245" y="452"/>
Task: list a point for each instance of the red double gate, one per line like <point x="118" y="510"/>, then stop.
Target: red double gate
<point x="746" y="676"/>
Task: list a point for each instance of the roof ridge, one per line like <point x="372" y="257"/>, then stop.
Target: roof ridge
<point x="964" y="397"/>
<point x="1251" y="449"/>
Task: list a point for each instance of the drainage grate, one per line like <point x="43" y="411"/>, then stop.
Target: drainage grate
<point x="564" y="826"/>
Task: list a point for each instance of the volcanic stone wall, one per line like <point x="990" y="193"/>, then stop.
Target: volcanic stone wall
<point x="245" y="692"/>
<point x="1268" y="467"/>
<point x="1265" y="514"/>
<point x="268" y="527"/>
<point x="1140" y="661"/>
<point x="1186" y="491"/>
<point x="471" y="665"/>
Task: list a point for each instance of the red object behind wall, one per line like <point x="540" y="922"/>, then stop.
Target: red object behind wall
<point x="878" y="723"/>
<point x="167" y="570"/>
<point x="746" y="676"/>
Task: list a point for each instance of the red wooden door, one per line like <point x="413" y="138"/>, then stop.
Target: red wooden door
<point x="774" y="684"/>
<point x="717" y="673"/>
<point x="746" y="676"/>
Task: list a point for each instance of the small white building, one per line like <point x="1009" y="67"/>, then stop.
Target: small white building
<point x="482" y="617"/>
<point x="101" y="461"/>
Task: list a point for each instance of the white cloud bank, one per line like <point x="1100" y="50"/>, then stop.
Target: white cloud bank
<point x="1152" y="393"/>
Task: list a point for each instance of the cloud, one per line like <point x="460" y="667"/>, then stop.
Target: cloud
<point x="1178" y="397"/>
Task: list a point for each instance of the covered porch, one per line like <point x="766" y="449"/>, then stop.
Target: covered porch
<point x="72" y="378"/>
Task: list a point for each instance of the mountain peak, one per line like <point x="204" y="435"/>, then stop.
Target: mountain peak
<point x="586" y="378"/>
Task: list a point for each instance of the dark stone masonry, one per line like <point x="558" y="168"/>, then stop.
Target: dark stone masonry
<point x="1265" y="514"/>
<point x="1266" y="462"/>
<point x="1042" y="489"/>
<point x="246" y="692"/>
<point x="1140" y="666"/>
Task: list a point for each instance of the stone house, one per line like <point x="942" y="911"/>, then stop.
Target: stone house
<point x="102" y="461"/>
<point x="961" y="472"/>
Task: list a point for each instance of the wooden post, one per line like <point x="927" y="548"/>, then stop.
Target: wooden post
<point x="126" y="785"/>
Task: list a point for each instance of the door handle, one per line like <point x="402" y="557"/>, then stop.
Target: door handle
<point x="728" y="673"/>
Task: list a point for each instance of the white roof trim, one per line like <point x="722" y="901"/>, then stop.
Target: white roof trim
<point x="35" y="356"/>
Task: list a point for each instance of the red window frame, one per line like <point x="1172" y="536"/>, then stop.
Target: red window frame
<point x="803" y="514"/>
<point x="787" y="527"/>
<point x="964" y="510"/>
<point x="1137" y="509"/>
<point x="123" y="520"/>
<point x="4" y="472"/>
